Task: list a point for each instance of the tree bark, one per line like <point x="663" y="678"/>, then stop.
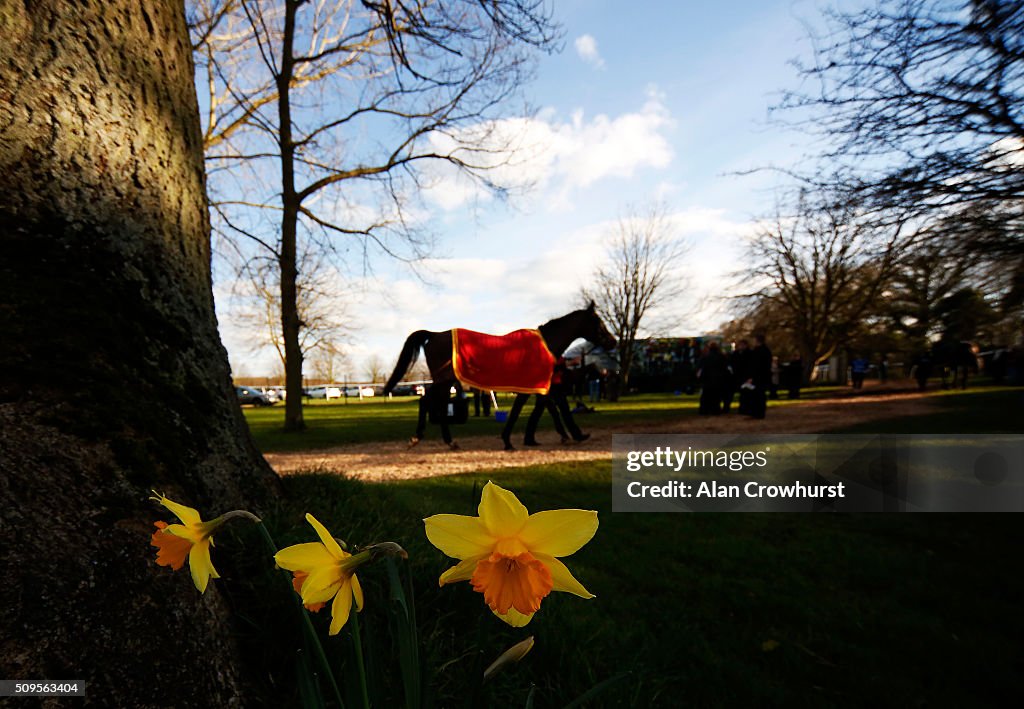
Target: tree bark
<point x="113" y="379"/>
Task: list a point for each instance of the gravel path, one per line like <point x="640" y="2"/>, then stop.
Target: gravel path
<point x="395" y="461"/>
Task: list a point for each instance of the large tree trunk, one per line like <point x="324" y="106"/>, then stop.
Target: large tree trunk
<point x="112" y="376"/>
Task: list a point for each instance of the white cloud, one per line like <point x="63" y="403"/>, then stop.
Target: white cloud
<point x="586" y="48"/>
<point x="553" y="157"/>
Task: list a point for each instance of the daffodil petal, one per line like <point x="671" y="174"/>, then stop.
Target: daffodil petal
<point x="341" y="608"/>
<point x="462" y="571"/>
<point x="330" y="542"/>
<point x="180" y="530"/>
<point x="501" y="511"/>
<point x="303" y="557"/>
<point x="357" y="592"/>
<point x="200" y="566"/>
<point x="459" y="536"/>
<point x="186" y="514"/>
<point x="561" y="578"/>
<point x="558" y="532"/>
<point x="514" y="617"/>
<point x="322" y="583"/>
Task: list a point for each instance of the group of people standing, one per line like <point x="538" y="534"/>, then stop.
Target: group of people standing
<point x="746" y="372"/>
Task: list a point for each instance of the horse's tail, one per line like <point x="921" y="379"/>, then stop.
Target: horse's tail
<point x="413" y="343"/>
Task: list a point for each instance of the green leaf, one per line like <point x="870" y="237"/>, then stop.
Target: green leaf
<point x="595" y="690"/>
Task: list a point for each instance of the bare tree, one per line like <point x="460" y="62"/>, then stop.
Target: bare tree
<point x="322" y="309"/>
<point x="328" y="361"/>
<point x="641" y="272"/>
<point x="922" y="279"/>
<point x="921" y="106"/>
<point x="113" y="377"/>
<point x="821" y="271"/>
<point x="375" y="369"/>
<point x="363" y="95"/>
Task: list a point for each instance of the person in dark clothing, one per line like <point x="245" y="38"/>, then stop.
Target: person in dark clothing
<point x="922" y="368"/>
<point x="713" y="375"/>
<point x="481" y="400"/>
<point x="611" y="385"/>
<point x="793" y="374"/>
<point x="760" y="377"/>
<point x="593" y="382"/>
<point x="556" y="403"/>
<point x="739" y="364"/>
<point x="858" y="370"/>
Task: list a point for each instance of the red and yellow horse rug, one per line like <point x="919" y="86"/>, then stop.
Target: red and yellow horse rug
<point x="518" y="362"/>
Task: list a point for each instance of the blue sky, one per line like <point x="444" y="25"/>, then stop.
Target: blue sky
<point x="647" y="101"/>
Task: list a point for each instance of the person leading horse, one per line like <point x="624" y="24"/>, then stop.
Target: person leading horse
<point x="450" y="367"/>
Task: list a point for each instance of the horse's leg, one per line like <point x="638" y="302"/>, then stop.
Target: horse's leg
<point x="517" y="406"/>
<point x="446" y="433"/>
<point x="421" y="421"/>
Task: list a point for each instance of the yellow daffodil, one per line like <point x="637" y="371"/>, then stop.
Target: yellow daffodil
<point x="192" y="538"/>
<point x="509" y="555"/>
<point x="323" y="570"/>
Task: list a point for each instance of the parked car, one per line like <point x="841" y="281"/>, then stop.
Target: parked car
<point x="324" y="391"/>
<point x="409" y="390"/>
<point x="275" y="393"/>
<point x="361" y="392"/>
<point x="248" y="395"/>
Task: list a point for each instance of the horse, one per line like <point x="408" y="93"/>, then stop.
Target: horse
<point x="438" y="348"/>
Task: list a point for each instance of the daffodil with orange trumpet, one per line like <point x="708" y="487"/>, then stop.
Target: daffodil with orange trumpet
<point x="510" y="555"/>
<point x="190" y="540"/>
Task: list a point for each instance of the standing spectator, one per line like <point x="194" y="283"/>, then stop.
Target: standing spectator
<point x="594" y="382"/>
<point x="858" y="370"/>
<point x="481" y="400"/>
<point x="760" y="377"/>
<point x="610" y="383"/>
<point x="793" y="373"/>
<point x="739" y="365"/>
<point x="773" y="389"/>
<point x="883" y="368"/>
<point x="921" y="368"/>
<point x="713" y="375"/>
<point x="686" y="366"/>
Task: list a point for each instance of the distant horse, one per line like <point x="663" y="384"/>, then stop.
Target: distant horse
<point x="438" y="347"/>
<point x="955" y="361"/>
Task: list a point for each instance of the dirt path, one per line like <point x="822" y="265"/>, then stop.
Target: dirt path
<point x="395" y="461"/>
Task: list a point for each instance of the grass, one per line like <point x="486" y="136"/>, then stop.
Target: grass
<point x="702" y="609"/>
<point x="712" y="609"/>
<point x="978" y="410"/>
<point x="371" y="420"/>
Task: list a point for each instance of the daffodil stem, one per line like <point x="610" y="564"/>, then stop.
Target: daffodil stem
<point x="307" y="624"/>
<point x="357" y="643"/>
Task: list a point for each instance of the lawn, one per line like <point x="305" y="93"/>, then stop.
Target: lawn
<point x="332" y="424"/>
<point x="696" y="609"/>
<point x="978" y="410"/>
<point x="706" y="610"/>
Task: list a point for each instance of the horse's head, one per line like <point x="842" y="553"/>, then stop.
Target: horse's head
<point x="596" y="331"/>
<point x="580" y="324"/>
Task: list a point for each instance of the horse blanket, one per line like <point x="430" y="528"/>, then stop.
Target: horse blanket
<point x="518" y="362"/>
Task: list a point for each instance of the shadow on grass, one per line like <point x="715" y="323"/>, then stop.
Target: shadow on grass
<point x="703" y="610"/>
<point x="971" y="411"/>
